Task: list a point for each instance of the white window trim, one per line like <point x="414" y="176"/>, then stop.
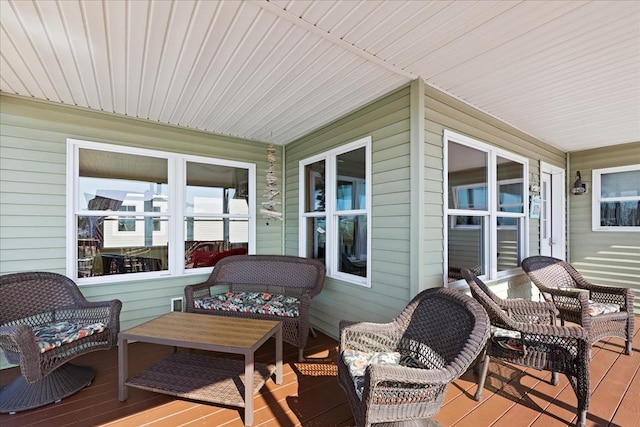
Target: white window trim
<point x="596" y="187"/>
<point x="176" y="174"/>
<point x="330" y="214"/>
<point x="490" y="235"/>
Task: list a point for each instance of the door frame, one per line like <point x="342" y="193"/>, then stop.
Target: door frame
<point x="558" y="205"/>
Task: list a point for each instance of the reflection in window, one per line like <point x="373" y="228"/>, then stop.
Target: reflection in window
<point x="217" y="213"/>
<point x="335" y="229"/>
<point x="124" y="220"/>
<point x="486" y="228"/>
<point x="616" y="198"/>
<point x="111" y="187"/>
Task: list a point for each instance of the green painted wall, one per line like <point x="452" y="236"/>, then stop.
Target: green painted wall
<point x="33" y="191"/>
<point x="387" y="121"/>
<point x="606" y="257"/>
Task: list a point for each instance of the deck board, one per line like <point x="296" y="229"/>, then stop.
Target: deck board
<point x="311" y="397"/>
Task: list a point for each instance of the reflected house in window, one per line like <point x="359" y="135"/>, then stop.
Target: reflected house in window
<point x="124" y="214"/>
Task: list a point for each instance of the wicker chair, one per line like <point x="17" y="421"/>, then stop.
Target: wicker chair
<point x="525" y="333"/>
<point x="397" y="373"/>
<point x="31" y="301"/>
<point x="560" y="281"/>
<point x="298" y="277"/>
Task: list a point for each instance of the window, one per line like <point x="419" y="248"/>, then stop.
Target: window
<point x="486" y="209"/>
<point x="127" y="223"/>
<point x="335" y="206"/>
<point x="151" y="213"/>
<point x="616" y="199"/>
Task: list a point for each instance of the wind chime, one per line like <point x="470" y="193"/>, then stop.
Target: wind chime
<point x="271" y="191"/>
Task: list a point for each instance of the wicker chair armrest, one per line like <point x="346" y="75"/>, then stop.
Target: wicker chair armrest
<point x="577" y="332"/>
<point x="622" y="296"/>
<point x="543" y="313"/>
<point x="20" y="340"/>
<point x="403" y="374"/>
<point x="368" y="336"/>
<point x="195" y="291"/>
<point x="568" y="300"/>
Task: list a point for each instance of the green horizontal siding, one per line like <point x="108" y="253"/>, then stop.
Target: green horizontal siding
<point x="605" y="257"/>
<point x="33" y="191"/>
<point x="387" y="122"/>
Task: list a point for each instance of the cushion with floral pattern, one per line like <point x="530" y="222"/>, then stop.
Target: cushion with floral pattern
<point x="52" y="335"/>
<point x="357" y="362"/>
<point x="252" y="302"/>
<point x="598" y="308"/>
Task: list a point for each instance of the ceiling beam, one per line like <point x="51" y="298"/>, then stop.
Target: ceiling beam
<point x="270" y="7"/>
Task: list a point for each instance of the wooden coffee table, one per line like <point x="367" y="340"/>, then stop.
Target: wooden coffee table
<point x="203" y="377"/>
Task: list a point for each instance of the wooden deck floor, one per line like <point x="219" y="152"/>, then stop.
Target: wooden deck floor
<point x="310" y="395"/>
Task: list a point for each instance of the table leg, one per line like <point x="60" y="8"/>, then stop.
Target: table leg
<point x="279" y="355"/>
<point x="248" y="388"/>
<point x="123" y="368"/>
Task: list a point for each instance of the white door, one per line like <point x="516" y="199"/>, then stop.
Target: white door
<point x="552" y="215"/>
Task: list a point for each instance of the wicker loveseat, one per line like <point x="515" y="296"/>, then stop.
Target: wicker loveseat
<point x="397" y="373"/>
<point x="44" y="323"/>
<point x="271" y="287"/>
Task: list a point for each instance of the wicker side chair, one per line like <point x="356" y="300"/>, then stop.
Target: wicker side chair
<point x="39" y="301"/>
<point x="525" y="333"/>
<point x="561" y="283"/>
<point x="397" y="373"/>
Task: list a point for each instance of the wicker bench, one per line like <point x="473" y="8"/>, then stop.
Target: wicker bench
<point x="271" y="287"/>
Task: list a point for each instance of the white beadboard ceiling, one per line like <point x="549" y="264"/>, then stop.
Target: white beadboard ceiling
<point x="565" y="72"/>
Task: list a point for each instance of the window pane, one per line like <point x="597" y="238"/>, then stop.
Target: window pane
<point x="620" y="214"/>
<point x="467" y="172"/>
<point x="465" y="247"/>
<point x="620" y="184"/>
<point x="108" y="180"/>
<point x="510" y="191"/>
<point x="350" y="186"/>
<point x="210" y="239"/>
<point x="104" y="249"/>
<point x="352" y="233"/>
<point x="316" y="238"/>
<point x="216" y="189"/>
<point x="509" y="255"/>
<point x="314" y="184"/>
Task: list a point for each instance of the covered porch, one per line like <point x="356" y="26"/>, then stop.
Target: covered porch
<point x="310" y="395"/>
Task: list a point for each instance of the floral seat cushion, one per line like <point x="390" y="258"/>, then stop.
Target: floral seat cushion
<point x="52" y="335"/>
<point x="598" y="308"/>
<point x="252" y="302"/>
<point x="357" y="361"/>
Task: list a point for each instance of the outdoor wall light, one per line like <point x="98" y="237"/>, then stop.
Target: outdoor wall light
<point x="579" y="187"/>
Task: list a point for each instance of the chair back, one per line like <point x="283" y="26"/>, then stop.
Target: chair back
<point x="282" y="273"/>
<point x="426" y="339"/>
<point x="550" y="272"/>
<point x="489" y="300"/>
<point x="29" y="294"/>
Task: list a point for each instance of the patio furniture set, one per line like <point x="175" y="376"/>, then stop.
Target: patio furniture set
<point x="393" y="374"/>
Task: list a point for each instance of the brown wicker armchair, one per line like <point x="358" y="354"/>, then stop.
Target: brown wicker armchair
<point x="560" y="281"/>
<point x="44" y="323"/>
<point x="277" y="275"/>
<point x="399" y="371"/>
<point x="525" y="333"/>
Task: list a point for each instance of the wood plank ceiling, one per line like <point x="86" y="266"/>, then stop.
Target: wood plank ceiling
<point x="566" y="72"/>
